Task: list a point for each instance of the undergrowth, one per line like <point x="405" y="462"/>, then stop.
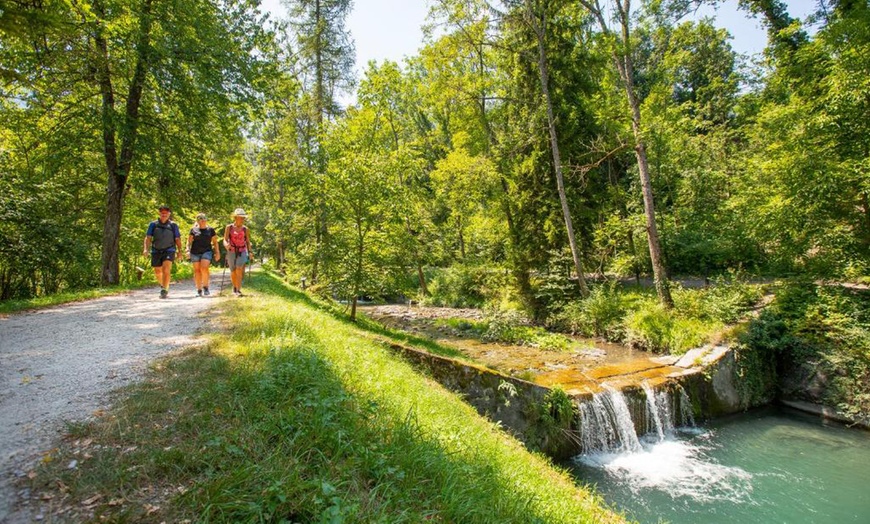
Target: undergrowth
<point x="635" y="317"/>
<point x="823" y="333"/>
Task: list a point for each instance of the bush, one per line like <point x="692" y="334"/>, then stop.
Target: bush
<point x="600" y="314"/>
<point x="512" y="327"/>
<point x="653" y="328"/>
<point x="465" y="286"/>
<point x="829" y="325"/>
<point x="726" y="301"/>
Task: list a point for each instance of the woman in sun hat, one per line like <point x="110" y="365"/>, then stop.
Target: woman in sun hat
<point x="202" y="248"/>
<point x="238" y="244"/>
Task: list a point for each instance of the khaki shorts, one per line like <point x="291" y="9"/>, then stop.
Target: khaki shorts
<point x="237" y="260"/>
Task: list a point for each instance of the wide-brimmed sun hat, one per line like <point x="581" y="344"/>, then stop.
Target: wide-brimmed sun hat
<point x="239" y="212"/>
<point x="201" y="216"/>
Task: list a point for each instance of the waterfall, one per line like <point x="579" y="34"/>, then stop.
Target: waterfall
<point x="607" y="424"/>
<point x="653" y="406"/>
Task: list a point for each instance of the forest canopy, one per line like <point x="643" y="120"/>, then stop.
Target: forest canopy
<point x="530" y="146"/>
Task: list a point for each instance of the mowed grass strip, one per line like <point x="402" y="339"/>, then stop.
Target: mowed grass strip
<point x="293" y="415"/>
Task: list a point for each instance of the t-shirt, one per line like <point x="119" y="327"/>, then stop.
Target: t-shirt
<point x="163" y="235"/>
<point x="201" y="240"/>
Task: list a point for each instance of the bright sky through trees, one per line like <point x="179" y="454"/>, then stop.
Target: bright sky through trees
<point x="390" y="29"/>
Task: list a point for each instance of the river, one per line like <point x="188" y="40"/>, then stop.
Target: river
<point x="766" y="466"/>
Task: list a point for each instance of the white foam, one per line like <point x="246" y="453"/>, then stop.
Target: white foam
<point x="678" y="468"/>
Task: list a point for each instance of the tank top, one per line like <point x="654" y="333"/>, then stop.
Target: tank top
<point x="238" y="239"/>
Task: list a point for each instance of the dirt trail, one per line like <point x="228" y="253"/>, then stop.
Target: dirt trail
<point x="58" y="365"/>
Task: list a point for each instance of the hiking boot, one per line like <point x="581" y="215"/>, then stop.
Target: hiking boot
<point x="236" y="291"/>
<point x="239" y="293"/>
<point x="205" y="291"/>
<point x="164" y="293"/>
<point x="199" y="292"/>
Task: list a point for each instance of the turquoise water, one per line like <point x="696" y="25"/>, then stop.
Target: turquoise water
<point x="770" y="466"/>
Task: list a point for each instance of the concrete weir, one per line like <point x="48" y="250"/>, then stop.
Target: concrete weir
<point x="656" y="392"/>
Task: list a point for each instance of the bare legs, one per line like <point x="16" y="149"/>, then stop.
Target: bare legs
<point x="163" y="273"/>
<point x="236" y="276"/>
<point x="201" y="273"/>
<point x="197" y="279"/>
<point x="204" y="272"/>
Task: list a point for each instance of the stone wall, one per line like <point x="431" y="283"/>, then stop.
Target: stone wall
<point x="519" y="406"/>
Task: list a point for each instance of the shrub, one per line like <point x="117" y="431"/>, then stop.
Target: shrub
<point x="512" y="327"/>
<point x="653" y="328"/>
<point x="725" y="301"/>
<point x="466" y="286"/>
<point x="600" y="314"/>
<point x="505" y="326"/>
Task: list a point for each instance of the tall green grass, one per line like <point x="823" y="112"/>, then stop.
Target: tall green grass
<point x="293" y="415"/>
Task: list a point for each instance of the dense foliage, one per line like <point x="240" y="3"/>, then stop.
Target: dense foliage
<point x="820" y="335"/>
<point x="446" y="161"/>
<point x="441" y="184"/>
<point x="528" y="147"/>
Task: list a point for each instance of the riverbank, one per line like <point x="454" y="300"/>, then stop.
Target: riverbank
<point x="290" y="413"/>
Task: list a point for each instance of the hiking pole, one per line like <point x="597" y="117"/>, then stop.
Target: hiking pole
<point x="223" y="274"/>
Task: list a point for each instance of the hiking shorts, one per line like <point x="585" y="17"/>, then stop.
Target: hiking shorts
<point x="201" y="256"/>
<point x="158" y="257"/>
<point x="237" y="260"/>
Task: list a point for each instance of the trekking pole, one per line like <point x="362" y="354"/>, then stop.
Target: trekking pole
<point x="223" y="274"/>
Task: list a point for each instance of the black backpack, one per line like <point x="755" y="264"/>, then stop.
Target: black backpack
<point x="163" y="236"/>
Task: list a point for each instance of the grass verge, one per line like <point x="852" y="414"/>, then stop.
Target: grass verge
<point x="292" y="415"/>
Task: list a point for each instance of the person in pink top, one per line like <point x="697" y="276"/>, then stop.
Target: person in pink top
<point x="237" y="240"/>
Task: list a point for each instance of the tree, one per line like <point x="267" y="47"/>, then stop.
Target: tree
<point x="145" y="84"/>
<point x="807" y="175"/>
<point x="463" y="183"/>
<point x="536" y="15"/>
<point x="622" y="48"/>
<point x="390" y="94"/>
<point x="324" y="55"/>
<point x="360" y="186"/>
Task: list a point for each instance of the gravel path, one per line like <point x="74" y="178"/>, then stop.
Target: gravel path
<point x="58" y="365"/>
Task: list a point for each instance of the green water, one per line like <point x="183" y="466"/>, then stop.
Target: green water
<point x="765" y="467"/>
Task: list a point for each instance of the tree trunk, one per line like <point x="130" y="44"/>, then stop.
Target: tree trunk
<point x="110" y="273"/>
<point x="118" y="168"/>
<point x="624" y="65"/>
<point x="554" y="145"/>
<point x="357" y="277"/>
<point x="353" y="308"/>
<point x="421" y="277"/>
<point x="659" y="274"/>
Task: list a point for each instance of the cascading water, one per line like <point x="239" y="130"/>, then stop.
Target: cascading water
<point x="761" y="467"/>
<point x="657" y="411"/>
<point x="639" y="441"/>
<point x="607" y="424"/>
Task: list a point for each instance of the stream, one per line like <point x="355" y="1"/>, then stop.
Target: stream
<point x="766" y="466"/>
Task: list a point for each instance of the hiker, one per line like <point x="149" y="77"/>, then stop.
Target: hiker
<point x="202" y="248"/>
<point x="238" y="244"/>
<point x="163" y="239"/>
